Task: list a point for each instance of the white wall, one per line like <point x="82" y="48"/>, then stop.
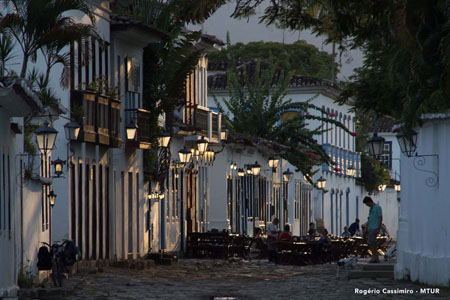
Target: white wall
<point x="423" y="243"/>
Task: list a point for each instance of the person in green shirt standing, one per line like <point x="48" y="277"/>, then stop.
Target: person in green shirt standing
<point x="373" y="227"/>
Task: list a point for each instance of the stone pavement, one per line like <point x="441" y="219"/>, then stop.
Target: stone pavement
<point x="240" y="280"/>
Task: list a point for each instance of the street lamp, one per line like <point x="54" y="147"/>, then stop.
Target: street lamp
<point x="321" y="183"/>
<point x="224" y="135"/>
<point x="52" y="198"/>
<point x="273" y="162"/>
<point x="131" y="132"/>
<point x="256" y="168"/>
<point x="45" y="137"/>
<point x="249" y="170"/>
<point x="397" y="187"/>
<point x="376" y="145"/>
<point x="407" y="139"/>
<point x="184" y="155"/>
<point x="209" y="157"/>
<point x="58" y="163"/>
<point x="381" y="187"/>
<point x="287" y="176"/>
<point x="163" y="139"/>
<point x="72" y="130"/>
<point x="241" y="172"/>
<point x="202" y="145"/>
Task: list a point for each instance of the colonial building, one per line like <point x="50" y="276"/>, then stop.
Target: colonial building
<point x="180" y="205"/>
<point x="20" y="196"/>
<point x="341" y="202"/>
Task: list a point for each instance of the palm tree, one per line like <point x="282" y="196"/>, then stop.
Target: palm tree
<point x="256" y="107"/>
<point x="41" y="25"/>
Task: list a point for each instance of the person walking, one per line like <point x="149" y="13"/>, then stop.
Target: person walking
<point x="373" y="227"/>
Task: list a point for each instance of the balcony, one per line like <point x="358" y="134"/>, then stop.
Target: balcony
<point x="140" y="118"/>
<point x="99" y="117"/>
<point x="203" y="121"/>
<point x="342" y="159"/>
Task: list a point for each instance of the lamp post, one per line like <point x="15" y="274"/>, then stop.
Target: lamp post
<point x="321" y="183"/>
<point x="45" y="138"/>
<point x="52" y="199"/>
<point x="163" y="162"/>
<point x="287" y="177"/>
<point x="256" y="169"/>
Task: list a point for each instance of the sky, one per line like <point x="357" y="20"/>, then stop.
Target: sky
<point x="250" y="30"/>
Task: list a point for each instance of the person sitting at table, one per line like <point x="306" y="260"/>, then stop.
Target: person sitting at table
<point x="311" y="232"/>
<point x="324" y="238"/>
<point x="346" y="234"/>
<point x="286" y="235"/>
<point x="259" y="244"/>
<point x="354" y="227"/>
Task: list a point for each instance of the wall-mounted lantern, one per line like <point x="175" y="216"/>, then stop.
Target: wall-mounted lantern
<point x="163" y="139"/>
<point x="407" y="139"/>
<point x="52" y="198"/>
<point x="287" y="175"/>
<point x="72" y="130"/>
<point x="376" y="145"/>
<point x="131" y="131"/>
<point x="58" y="164"/>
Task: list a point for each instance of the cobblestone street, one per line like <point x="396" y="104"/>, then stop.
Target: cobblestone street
<point x="242" y="280"/>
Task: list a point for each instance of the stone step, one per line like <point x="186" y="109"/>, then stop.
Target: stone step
<point x="378" y="267"/>
<point x="370" y="274"/>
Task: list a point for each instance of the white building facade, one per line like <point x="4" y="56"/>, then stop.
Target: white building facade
<point x="422" y="249"/>
<point x="19" y="196"/>
<point x="342" y="203"/>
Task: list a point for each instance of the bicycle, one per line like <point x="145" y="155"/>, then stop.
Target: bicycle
<point x="57" y="255"/>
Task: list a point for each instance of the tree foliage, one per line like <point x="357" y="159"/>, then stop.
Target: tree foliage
<point x="300" y="57"/>
<point x="406" y="44"/>
<point x="255" y="108"/>
<point x="42" y="25"/>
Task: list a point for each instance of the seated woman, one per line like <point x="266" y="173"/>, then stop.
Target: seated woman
<point x="324" y="238"/>
<point x="286" y="235"/>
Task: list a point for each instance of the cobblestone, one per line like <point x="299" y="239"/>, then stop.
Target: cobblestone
<point x="242" y="280"/>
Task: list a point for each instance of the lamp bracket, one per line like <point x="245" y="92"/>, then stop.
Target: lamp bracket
<point x="420" y="163"/>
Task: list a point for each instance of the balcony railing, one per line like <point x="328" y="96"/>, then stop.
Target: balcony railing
<point x="139" y="118"/>
<point x="342" y="159"/>
<point x="99" y="117"/>
<point x="202" y="121"/>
